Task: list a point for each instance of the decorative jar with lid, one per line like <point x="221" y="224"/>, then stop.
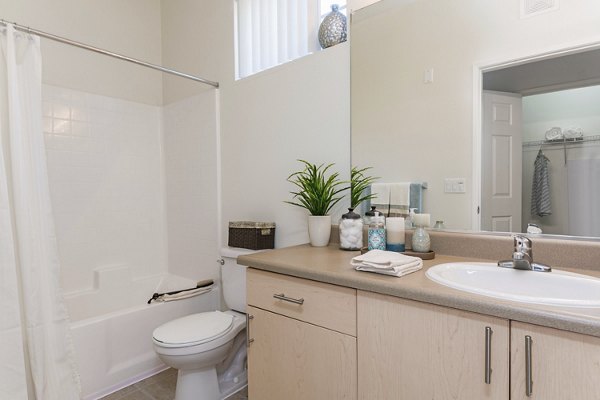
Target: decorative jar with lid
<point x="351" y="231"/>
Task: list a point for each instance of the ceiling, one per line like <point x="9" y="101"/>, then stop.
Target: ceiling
<point x="559" y="73"/>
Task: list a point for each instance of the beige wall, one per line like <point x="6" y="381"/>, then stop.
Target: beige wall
<point x="197" y="39"/>
<point x="130" y="27"/>
<point x="297" y="110"/>
<point x="425" y="131"/>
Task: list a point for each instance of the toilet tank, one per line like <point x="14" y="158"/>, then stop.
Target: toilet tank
<point x="233" y="278"/>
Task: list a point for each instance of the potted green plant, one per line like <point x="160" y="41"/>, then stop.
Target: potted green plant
<point x="318" y="191"/>
<point x="358" y="183"/>
<point x="351" y="224"/>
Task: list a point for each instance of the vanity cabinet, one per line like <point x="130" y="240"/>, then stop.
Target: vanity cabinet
<point x="412" y="350"/>
<point x="556" y="365"/>
<point x="302" y="339"/>
<point x="313" y="340"/>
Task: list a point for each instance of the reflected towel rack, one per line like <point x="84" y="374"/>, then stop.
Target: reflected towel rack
<point x="583" y="139"/>
<point x="562" y="142"/>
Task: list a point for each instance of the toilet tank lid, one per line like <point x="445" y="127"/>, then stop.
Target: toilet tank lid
<point x="235" y="252"/>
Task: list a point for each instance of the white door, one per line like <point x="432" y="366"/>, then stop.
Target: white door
<point x="502" y="162"/>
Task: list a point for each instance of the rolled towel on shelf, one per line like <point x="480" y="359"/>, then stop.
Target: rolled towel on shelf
<point x="387" y="263"/>
<point x="554" y="133"/>
<point x="573" y="133"/>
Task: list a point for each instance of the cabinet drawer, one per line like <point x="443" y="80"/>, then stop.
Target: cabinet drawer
<point x="326" y="305"/>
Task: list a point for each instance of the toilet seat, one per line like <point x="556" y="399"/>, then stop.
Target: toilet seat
<point x="193" y="330"/>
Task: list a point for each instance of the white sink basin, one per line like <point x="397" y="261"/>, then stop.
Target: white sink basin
<point x="557" y="288"/>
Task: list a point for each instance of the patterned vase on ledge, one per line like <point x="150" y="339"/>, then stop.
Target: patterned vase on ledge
<point x="333" y="28"/>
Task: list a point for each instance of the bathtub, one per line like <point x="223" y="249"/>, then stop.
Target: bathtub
<point x="112" y="327"/>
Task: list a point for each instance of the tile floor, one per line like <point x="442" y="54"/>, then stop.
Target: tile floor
<point x="158" y="387"/>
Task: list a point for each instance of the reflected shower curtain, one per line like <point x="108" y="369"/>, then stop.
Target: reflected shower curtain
<point x="36" y="354"/>
<point x="584" y="197"/>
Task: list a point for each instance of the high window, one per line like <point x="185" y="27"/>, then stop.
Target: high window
<point x="272" y="32"/>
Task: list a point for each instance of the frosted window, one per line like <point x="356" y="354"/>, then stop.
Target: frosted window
<point x="272" y="32"/>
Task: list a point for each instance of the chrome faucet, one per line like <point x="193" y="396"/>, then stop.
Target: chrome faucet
<point x="523" y="256"/>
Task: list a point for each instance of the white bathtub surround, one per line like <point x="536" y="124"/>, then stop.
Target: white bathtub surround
<point x="34" y="314"/>
<point x="105" y="168"/>
<point x="113" y="339"/>
<point x="124" y="178"/>
<point x="116" y="289"/>
<point x="190" y="158"/>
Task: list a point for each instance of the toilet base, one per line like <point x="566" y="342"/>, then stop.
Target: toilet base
<point x="229" y="388"/>
<point x="216" y="382"/>
<point x="204" y="385"/>
<point x="200" y="384"/>
<point x="213" y="370"/>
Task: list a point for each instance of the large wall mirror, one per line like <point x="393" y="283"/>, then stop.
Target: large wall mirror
<point x="470" y="91"/>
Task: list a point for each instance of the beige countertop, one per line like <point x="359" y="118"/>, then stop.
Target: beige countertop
<point x="331" y="265"/>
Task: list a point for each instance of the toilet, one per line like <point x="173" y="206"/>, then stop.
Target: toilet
<point x="209" y="349"/>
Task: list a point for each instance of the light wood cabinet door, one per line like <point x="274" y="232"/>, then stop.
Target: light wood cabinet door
<point x="294" y="360"/>
<point x="415" y="351"/>
<point x="564" y="365"/>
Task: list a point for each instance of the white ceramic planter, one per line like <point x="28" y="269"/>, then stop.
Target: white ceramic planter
<point x="319" y="230"/>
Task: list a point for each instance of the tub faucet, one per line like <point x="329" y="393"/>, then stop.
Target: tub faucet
<point x="523" y="256"/>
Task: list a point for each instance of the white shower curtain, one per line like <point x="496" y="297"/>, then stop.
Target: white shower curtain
<point x="584" y="197"/>
<point x="36" y="353"/>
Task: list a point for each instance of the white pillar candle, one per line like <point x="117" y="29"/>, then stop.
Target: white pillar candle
<point x="395" y="230"/>
<point x="422" y="220"/>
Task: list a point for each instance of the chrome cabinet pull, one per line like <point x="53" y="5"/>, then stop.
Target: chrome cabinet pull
<point x="248" y="339"/>
<point x="528" y="371"/>
<point x="488" y="355"/>
<point x="282" y="296"/>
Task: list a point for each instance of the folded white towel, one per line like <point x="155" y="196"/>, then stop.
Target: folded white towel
<point x="387" y="262"/>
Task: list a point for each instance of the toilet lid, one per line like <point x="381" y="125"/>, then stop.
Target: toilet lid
<point x="194" y="329"/>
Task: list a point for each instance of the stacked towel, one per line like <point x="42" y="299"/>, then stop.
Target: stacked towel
<point x="387" y="263"/>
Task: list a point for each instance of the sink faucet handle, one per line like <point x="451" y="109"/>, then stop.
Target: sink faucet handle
<point x="523" y="246"/>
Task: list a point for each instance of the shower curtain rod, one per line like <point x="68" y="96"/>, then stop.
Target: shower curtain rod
<point x="108" y="53"/>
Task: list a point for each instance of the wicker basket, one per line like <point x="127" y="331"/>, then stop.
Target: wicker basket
<point x="252" y="235"/>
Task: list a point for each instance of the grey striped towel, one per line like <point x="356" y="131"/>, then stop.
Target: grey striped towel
<point x="540" y="191"/>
